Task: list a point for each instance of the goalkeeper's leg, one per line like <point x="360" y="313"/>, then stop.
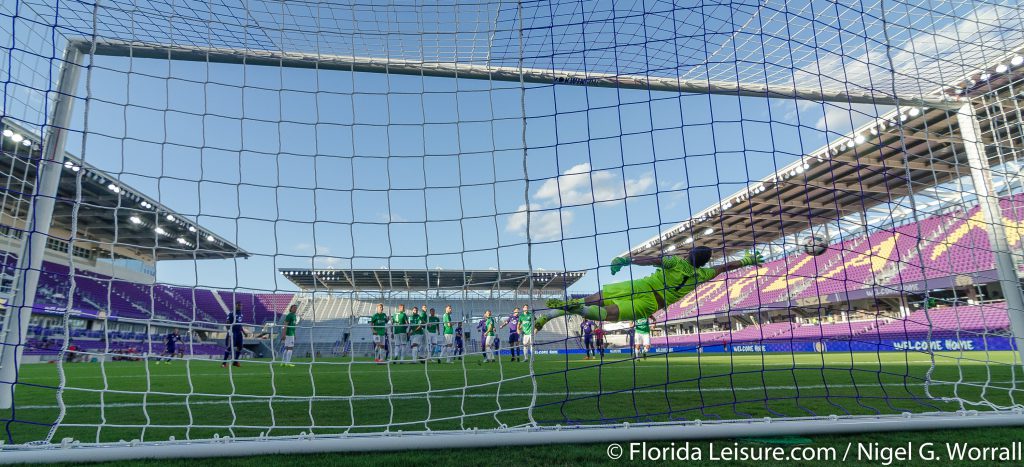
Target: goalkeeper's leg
<point x="592" y="307"/>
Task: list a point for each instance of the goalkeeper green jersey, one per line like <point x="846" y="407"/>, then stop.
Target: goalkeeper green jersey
<point x="675" y="278"/>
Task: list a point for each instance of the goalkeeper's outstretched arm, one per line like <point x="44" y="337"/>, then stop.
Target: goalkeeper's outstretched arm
<point x="753" y="258"/>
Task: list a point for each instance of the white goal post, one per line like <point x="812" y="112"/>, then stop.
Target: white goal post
<point x="965" y="132"/>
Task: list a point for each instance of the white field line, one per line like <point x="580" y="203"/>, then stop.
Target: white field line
<point x="410" y="368"/>
<point x="251" y="399"/>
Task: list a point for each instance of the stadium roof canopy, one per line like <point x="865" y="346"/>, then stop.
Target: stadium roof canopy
<point x="424" y="280"/>
<point x="901" y="153"/>
<point x="109" y="210"/>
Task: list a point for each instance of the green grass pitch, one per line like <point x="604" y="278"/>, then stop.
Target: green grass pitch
<point x="198" y="398"/>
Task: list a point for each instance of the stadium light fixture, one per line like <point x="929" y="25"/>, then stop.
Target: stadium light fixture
<point x="209" y="238"/>
<point x="1017" y="60"/>
<point x="688" y="240"/>
<point x="159" y="231"/>
<point x="75" y="168"/>
<point x="8" y="133"/>
<point x="1002" y="68"/>
<point x="915" y="111"/>
<point x="26" y="143"/>
<point x="17" y="138"/>
<point x="709" y="231"/>
<point x="191" y="228"/>
<point x="170" y="218"/>
<point x="181" y="241"/>
<point x="135" y="220"/>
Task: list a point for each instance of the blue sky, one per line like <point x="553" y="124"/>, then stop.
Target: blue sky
<point x="408" y="172"/>
<point x="308" y="168"/>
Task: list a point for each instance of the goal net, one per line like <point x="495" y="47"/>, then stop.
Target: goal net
<point x="241" y="224"/>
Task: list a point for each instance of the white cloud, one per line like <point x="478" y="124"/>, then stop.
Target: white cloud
<point x="923" y="63"/>
<point x="579" y="185"/>
<point x="843" y="119"/>
<point x="308" y="248"/>
<point x="326" y="262"/>
<point x="576" y="186"/>
<point x="544" y="225"/>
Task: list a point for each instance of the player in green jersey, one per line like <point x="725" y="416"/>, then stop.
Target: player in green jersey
<point x="674" y="277"/>
<point x="526" y="322"/>
<point x="417" y="327"/>
<point x="490" y="329"/>
<point x="642" y="336"/>
<point x="288" y="334"/>
<point x="400" y="328"/>
<point x="448" y="328"/>
<point x="379" y="329"/>
<point x="431" y="338"/>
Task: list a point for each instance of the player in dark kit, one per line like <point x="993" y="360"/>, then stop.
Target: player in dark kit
<point x="587" y="330"/>
<point x="459" y="345"/>
<point x="599" y="337"/>
<point x="170" y="346"/>
<point x="235" y="338"/>
<point x="513" y="334"/>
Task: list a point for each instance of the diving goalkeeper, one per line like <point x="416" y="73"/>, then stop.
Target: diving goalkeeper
<point x="634" y="300"/>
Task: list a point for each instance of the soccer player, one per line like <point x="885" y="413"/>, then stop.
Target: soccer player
<point x="170" y="343"/>
<point x="599" y="338"/>
<point x="633" y="300"/>
<point x="417" y="326"/>
<point x="379" y="324"/>
<point x="489" y="332"/>
<point x="288" y="334"/>
<point x="587" y="331"/>
<point x="643" y="335"/>
<point x="235" y="337"/>
<point x="526" y="331"/>
<point x="459" y="344"/>
<point x="432" y="324"/>
<point x="448" y="329"/>
<point x="483" y="335"/>
<point x="401" y="333"/>
<point x="513" y="334"/>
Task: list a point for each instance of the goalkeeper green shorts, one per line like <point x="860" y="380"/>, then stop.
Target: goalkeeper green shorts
<point x="632" y="304"/>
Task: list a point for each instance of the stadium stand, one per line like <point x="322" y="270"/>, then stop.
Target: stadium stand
<point x="941" y="247"/>
<point x="943" y="322"/>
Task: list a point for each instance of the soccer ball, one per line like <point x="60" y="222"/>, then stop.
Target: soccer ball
<point x="815" y="245"/>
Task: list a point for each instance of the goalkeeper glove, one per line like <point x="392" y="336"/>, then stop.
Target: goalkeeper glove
<point x="753" y="258"/>
<point x="619" y="263"/>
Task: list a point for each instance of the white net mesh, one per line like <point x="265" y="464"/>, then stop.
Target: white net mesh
<point x="213" y="164"/>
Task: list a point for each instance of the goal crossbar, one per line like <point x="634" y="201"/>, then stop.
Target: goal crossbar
<point x="394" y="66"/>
